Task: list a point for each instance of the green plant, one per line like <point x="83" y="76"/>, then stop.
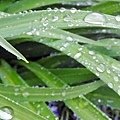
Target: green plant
<point x="75" y="55"/>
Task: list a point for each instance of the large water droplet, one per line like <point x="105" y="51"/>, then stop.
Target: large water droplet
<point x="73" y="10"/>
<point x="91" y="52"/>
<point x="100" y="68"/>
<point x="62" y="9"/>
<point x="69" y="38"/>
<point x="110" y="85"/>
<point x="117" y="18"/>
<point x="6" y="113"/>
<point x="95" y="18"/>
<point x="77" y="55"/>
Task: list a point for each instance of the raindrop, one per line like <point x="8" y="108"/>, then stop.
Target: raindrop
<point x="62" y="49"/>
<point x="73" y="10"/>
<point x="108" y="71"/>
<point x="48" y="116"/>
<point x="63" y="94"/>
<point x="69" y="38"/>
<point x="80" y="49"/>
<point x="116" y="78"/>
<point x="53" y="94"/>
<point x="62" y="9"/>
<point x="77" y="55"/>
<point x="37" y="33"/>
<point x="99" y="100"/>
<point x="100" y="68"/>
<point x="6" y="113"/>
<point x="16" y="89"/>
<point x="66" y="45"/>
<point x="110" y="85"/>
<point x="67" y="18"/>
<point x="55" y="18"/>
<point x="117" y="18"/>
<point x="94" y="57"/>
<point x="29" y="33"/>
<point x="95" y="18"/>
<point x="91" y="52"/>
<point x="56" y="9"/>
<point x="119" y="92"/>
<point x="38" y="112"/>
<point x="25" y="94"/>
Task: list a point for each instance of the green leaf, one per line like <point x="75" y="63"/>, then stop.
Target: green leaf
<point x="19" y="93"/>
<point x="104" y="96"/>
<point x="106" y="68"/>
<point x="11" y="49"/>
<point x="10" y="77"/>
<point x="53" y="81"/>
<point x="20" y="112"/>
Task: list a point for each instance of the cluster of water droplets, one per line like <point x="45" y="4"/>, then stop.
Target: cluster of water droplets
<point x="6" y="113"/>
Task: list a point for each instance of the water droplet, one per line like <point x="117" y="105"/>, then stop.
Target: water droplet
<point x="91" y="52"/>
<point x="110" y="85"/>
<point x="55" y="18"/>
<point x="62" y="49"/>
<point x="63" y="94"/>
<point x="37" y="33"/>
<point x="77" y="55"/>
<point x="62" y="9"/>
<point x="73" y="10"/>
<point x="67" y="18"/>
<point x="48" y="116"/>
<point x="116" y="78"/>
<point x="100" y="68"/>
<point x="6" y="113"/>
<point x="25" y="94"/>
<point x="99" y="100"/>
<point x="94" y="57"/>
<point x="69" y="38"/>
<point x="119" y="92"/>
<point x="66" y="44"/>
<point x="108" y="71"/>
<point x="38" y="112"/>
<point x="80" y="49"/>
<point x="117" y="18"/>
<point x="95" y="18"/>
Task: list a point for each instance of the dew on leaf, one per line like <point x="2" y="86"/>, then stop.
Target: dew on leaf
<point x="73" y="10"/>
<point x="110" y="85"/>
<point x="108" y="71"/>
<point x="95" y="18"/>
<point x="67" y="18"/>
<point x="77" y="55"/>
<point x="100" y="68"/>
<point x="62" y="9"/>
<point x="119" y="92"/>
<point x="117" y="18"/>
<point x="80" y="49"/>
<point x="116" y="79"/>
<point x="29" y="33"/>
<point x="55" y="18"/>
<point x="6" y="113"/>
<point x="38" y="112"/>
<point x="56" y="9"/>
<point x="69" y="38"/>
<point x="25" y="94"/>
<point x="91" y="52"/>
<point x="64" y="94"/>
